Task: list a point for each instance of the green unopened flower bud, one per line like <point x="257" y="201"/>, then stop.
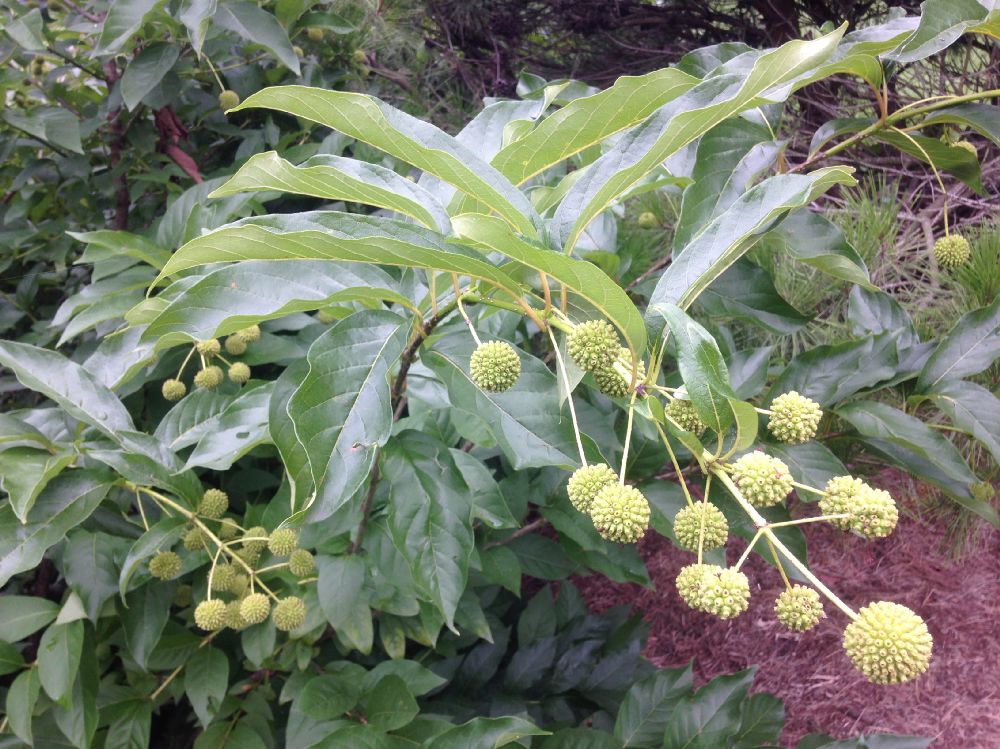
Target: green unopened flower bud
<point x="235" y="345"/>
<point x="289" y="613"/>
<point x="210" y="615"/>
<point x="495" y="366"/>
<point x="234" y="616"/>
<point x="794" y="418"/>
<point x="691" y="583"/>
<point x="799" y="608"/>
<point x="620" y="513"/>
<point x="283" y="542"/>
<point x="211" y="347"/>
<point x="195" y="539"/>
<point x="165" y="565"/>
<point x="209" y="378"/>
<point x="255" y="538"/>
<point x="763" y="479"/>
<point x="239" y="373"/>
<point x="173" y="390"/>
<point x="695" y="520"/>
<point x="255" y="608"/>
<point x="983" y="491"/>
<point x="222" y="577"/>
<point x="683" y="413"/>
<point x="250" y="334"/>
<point x="647" y="220"/>
<point x="594" y="345"/>
<point x="228" y="529"/>
<point x="239" y="584"/>
<point x="214" y="502"/>
<point x="301" y="563"/>
<point x="228" y="99"/>
<point x="315" y="34"/>
<point x="586" y="482"/>
<point x="952" y="251"/>
<point x="888" y="643"/>
<point x="725" y="593"/>
<point x="615" y="385"/>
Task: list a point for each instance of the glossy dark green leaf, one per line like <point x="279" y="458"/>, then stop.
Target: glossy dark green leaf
<point x="52" y="126"/>
<point x="983" y="118"/>
<point x="67" y="501"/>
<point x="941" y="23"/>
<point x="389" y="705"/>
<point x="973" y="409"/>
<point x="21" y="700"/>
<point x="344" y="599"/>
<point x="748" y="370"/>
<point x="646" y="710"/>
<point x="21" y="616"/>
<point x="708" y="718"/>
<point x="874" y="312"/>
<point x="123" y="19"/>
<point x="282" y="430"/>
<point x="581" y="738"/>
<point x="240" y="428"/>
<point x="746" y="292"/>
<point x="811" y="464"/>
<point x="542" y="557"/>
<point x="968" y="348"/>
<point x="146" y="70"/>
<point x="160" y="537"/>
<point x="25" y="472"/>
<point x="944" y="157"/>
<point x="328" y="696"/>
<point x="10" y="658"/>
<point x="130" y="724"/>
<point x="206" y="679"/>
<point x="813" y="239"/>
<point x="59" y="658"/>
<point x="341" y="410"/>
<point x="761" y="719"/>
<point x="258" y="27"/>
<point x="485" y="733"/>
<point x="501" y="566"/>
<point x="78" y="719"/>
<point x="488" y="503"/>
<point x="144" y="614"/>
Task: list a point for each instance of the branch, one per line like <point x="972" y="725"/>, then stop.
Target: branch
<point x="171" y="132"/>
<point x="524" y="530"/>
<point x="122" y="199"/>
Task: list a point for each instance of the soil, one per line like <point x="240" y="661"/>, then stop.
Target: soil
<point x="956" y="703"/>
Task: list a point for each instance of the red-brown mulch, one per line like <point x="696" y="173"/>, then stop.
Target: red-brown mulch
<point x="957" y="702"/>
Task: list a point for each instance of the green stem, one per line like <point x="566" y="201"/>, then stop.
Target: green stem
<point x="810" y="489"/>
<point x="749" y="548"/>
<point x="561" y="369"/>
<point x="803" y="521"/>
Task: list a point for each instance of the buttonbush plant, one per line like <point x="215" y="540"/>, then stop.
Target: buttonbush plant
<point x="295" y="491"/>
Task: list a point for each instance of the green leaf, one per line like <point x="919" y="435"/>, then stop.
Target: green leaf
<point x="344" y="599"/>
<point x="240" y="428"/>
<point x="145" y="615"/>
<point x="746" y="292"/>
<point x="130" y="724"/>
<point x="28" y="30"/>
<point x="813" y="239"/>
<point x="642" y="149"/>
<point x="501" y="566"/>
<point x="811" y="464"/>
<point x="282" y="429"/>
<point x="22" y="616"/>
<point x="761" y="720"/>
<point x="581" y="738"/>
<point x="259" y="27"/>
<point x="21" y="700"/>
<point x="485" y="733"/>
<point x="160" y="537"/>
<point x="339" y="178"/>
<point x="341" y="411"/>
<point x="874" y="312"/>
<point x="389" y="706"/>
<point x="708" y="718"/>
<point x="408" y="139"/>
<point x="731" y="234"/>
<point x="585" y="279"/>
<point x="941" y="23"/>
<point x="11" y="659"/>
<point x="146" y="70"/>
<point x="429" y="517"/>
<point x="90" y="567"/>
<point x="952" y="159"/>
<point x="327" y="696"/>
<point x="123" y="20"/>
<point x="67" y="501"/>
<point x="196" y="15"/>
<point x="59" y="659"/>
<point x="107" y="244"/>
<point x="646" y="711"/>
<point x="418" y="678"/>
<point x="58" y="128"/>
<point x="973" y="409"/>
<point x="983" y="118"/>
<point x="488" y="503"/>
<point x="969" y="348"/>
<point x="206" y="679"/>
<point x="68" y="384"/>
<point x="25" y="472"/>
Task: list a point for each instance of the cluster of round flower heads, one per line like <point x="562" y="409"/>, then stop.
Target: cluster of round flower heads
<point x="951" y="251"/>
<point x="235" y="576"/>
<point x="210" y="376"/>
<point x="867" y="511"/>
<point x="620" y="513"/>
<point x="723" y="592"/>
<point x="594" y="347"/>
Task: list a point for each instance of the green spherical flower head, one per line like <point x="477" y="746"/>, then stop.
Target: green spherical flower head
<point x="249" y="335"/>
<point x="967" y="146"/>
<point x="839" y="499"/>
<point x="593" y="345"/>
<point x="763" y="479"/>
<point x="692" y="521"/>
<point x="682" y="412"/>
<point x="236" y="345"/>
<point x="586" y="482"/>
<point x="255" y="608"/>
<point x="289" y="613"/>
<point x="165" y="565"/>
<point x="210" y="615"/>
<point x="239" y="584"/>
<point x="239" y="373"/>
<point x="620" y="513"/>
<point x="195" y="539"/>
<point x="211" y="347"/>
<point x="952" y="251"/>
<point x="173" y="390"/>
<point x="983" y="491"/>
<point x="209" y="378"/>
<point x="691" y="583"/>
<point x="228" y="529"/>
<point x="888" y="643"/>
<point x="301" y="563"/>
<point x="799" y="608"/>
<point x="283" y="542"/>
<point x="794" y="418"/>
<point x="873" y="513"/>
<point x="326" y="317"/>
<point x="495" y="366"/>
<point x="647" y="220"/>
<point x="214" y="502"/>
<point x="615" y="385"/>
<point x="234" y="617"/>
<point x="315" y="34"/>
<point x="228" y="99"/>
<point x="725" y="593"/>
<point x="222" y="577"/>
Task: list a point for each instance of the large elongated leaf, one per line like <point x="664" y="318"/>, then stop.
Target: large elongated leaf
<point x="727" y="237"/>
<point x="429" y="517"/>
<point x="484" y="733"/>
<point x="583" y="278"/>
<point x="146" y="70"/>
<point x="746" y="291"/>
<point x="123" y="19"/>
<point x="336" y="236"/>
<point x="25" y="471"/>
<point x="973" y="409"/>
<point x="68" y="384"/>
<point x="970" y="347"/>
<point x="341" y="411"/>
<point x="282" y="429"/>
<point x="241" y="427"/>
<point x="983" y="118"/>
<point x="813" y="239"/>
<point x="411" y="140"/>
<point x="708" y="718"/>
<point x="941" y="23"/>
<point x="53" y="127"/>
<point x="645" y="712"/>
<point x="259" y="27"/>
<point x="339" y="178"/>
<point x="676" y="124"/>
